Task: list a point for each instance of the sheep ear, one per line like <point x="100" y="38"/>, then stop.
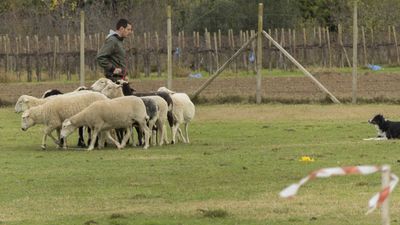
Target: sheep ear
<point x="67" y="122"/>
<point x="25" y="100"/>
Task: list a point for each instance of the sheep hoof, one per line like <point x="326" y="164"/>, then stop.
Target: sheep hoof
<point x="81" y="145"/>
<point x="89" y="149"/>
<point x="43" y="147"/>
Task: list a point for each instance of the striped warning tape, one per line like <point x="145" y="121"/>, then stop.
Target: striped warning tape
<point x="373" y="203"/>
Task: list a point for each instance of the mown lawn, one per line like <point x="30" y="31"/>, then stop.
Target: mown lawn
<point x="240" y="157"/>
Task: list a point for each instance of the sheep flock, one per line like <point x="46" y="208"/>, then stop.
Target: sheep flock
<point x="112" y="113"/>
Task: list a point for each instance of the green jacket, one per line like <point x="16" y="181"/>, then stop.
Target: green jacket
<point x="112" y="55"/>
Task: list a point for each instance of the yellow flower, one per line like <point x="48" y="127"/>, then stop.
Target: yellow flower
<point x="306" y="159"/>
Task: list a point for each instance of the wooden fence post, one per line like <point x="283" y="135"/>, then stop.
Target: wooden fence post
<point x="396" y="44"/>
<point x="305" y="45"/>
<point x="259" y="53"/>
<point x="82" y="50"/>
<point x="389" y="47"/>
<point x="364" y="46"/>
<point x="28" y="60"/>
<point x="328" y="41"/>
<point x="17" y="60"/>
<point x="355" y="54"/>
<point x="6" y="51"/>
<point x="216" y="49"/>
<point x="158" y="55"/>
<point x="169" y="48"/>
<point x="37" y="60"/>
<point x="145" y="56"/>
<point x="67" y="58"/>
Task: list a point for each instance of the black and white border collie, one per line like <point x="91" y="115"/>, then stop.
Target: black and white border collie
<point x="386" y="129"/>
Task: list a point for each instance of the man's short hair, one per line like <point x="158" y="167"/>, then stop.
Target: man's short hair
<point x="122" y="23"/>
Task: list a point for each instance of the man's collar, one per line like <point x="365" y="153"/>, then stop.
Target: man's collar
<point x="119" y="37"/>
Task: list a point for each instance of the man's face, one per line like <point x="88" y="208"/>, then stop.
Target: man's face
<point x="125" y="32"/>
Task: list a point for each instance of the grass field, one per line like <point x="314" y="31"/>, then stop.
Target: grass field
<point x="240" y="157"/>
<point x="184" y="73"/>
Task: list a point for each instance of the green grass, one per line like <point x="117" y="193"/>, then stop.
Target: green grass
<point x="240" y="157"/>
<point x="183" y="73"/>
<point x="294" y="72"/>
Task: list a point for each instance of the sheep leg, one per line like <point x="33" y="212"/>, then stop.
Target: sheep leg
<point x="147" y="133"/>
<point x="89" y="135"/>
<point x="152" y="136"/>
<point x="56" y="141"/>
<point x="120" y="134"/>
<point x="93" y="140"/>
<point x="165" y="136"/>
<point x="187" y="132"/>
<point x="126" y="138"/>
<point x="59" y="139"/>
<point x="43" y="146"/>
<point x="132" y="136"/>
<point x="101" y="140"/>
<point x="160" y="133"/>
<point x="47" y="132"/>
<point x="113" y="140"/>
<point x="181" y="135"/>
<point x="173" y="131"/>
<point x="81" y="140"/>
<point x="140" y="135"/>
<point x="65" y="143"/>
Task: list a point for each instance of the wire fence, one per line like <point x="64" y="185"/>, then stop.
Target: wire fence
<point x="52" y="57"/>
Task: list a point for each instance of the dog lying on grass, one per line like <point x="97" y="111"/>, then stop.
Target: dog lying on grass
<point x="386" y="129"/>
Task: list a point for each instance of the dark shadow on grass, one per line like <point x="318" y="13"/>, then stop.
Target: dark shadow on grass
<point x="213" y="213"/>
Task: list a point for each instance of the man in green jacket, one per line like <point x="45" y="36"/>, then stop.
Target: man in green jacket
<point x="112" y="56"/>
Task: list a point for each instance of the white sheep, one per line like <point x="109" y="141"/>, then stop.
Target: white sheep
<point x="183" y="112"/>
<point x="161" y="121"/>
<point x="55" y="110"/>
<point x="25" y="102"/>
<point x="115" y="113"/>
<point x="100" y="84"/>
<point x="158" y="118"/>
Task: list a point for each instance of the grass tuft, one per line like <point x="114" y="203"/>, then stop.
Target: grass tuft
<point x="117" y="216"/>
<point x="90" y="222"/>
<point x="214" y="213"/>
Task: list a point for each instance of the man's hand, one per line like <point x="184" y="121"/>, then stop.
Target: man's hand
<point x="117" y="71"/>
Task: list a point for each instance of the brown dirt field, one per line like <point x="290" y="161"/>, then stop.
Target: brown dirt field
<point x="371" y="88"/>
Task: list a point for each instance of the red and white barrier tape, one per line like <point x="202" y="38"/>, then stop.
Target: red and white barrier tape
<point x="373" y="203"/>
